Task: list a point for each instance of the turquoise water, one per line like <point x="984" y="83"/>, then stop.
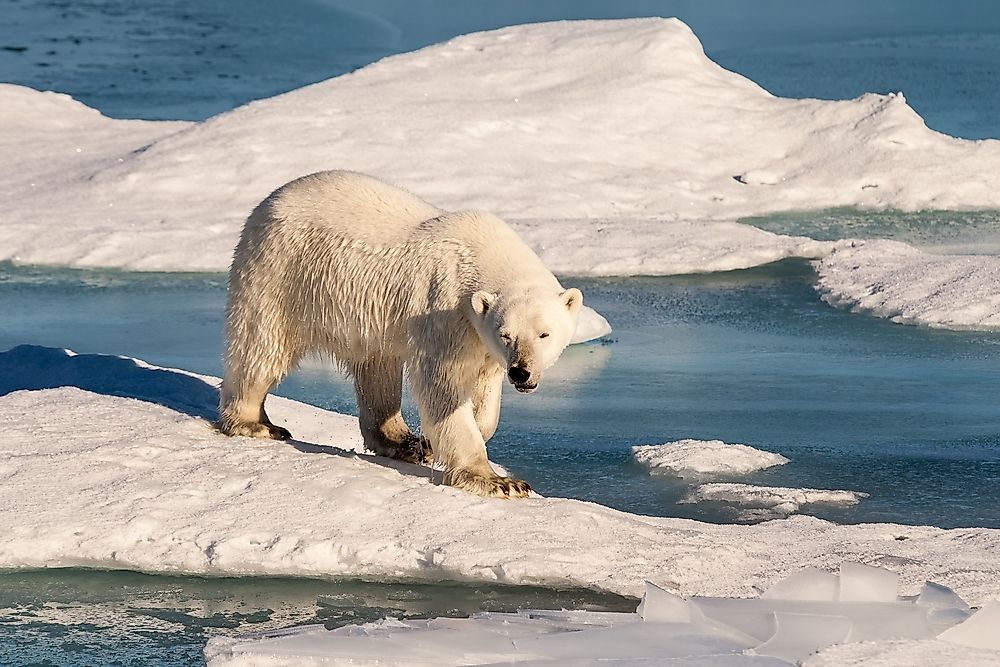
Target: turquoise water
<point x="905" y="414"/>
<point x="80" y="618"/>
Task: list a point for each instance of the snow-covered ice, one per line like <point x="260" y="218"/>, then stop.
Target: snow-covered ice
<point x="665" y="629"/>
<point x="769" y="501"/>
<point x="108" y="462"/>
<point x="698" y="458"/>
<point x="900" y="282"/>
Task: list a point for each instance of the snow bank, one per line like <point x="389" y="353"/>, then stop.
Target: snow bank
<point x="107" y="468"/>
<point x="687" y="458"/>
<point x="899" y="282"/>
<point x="588" y="121"/>
<point x="773" y="630"/>
<point x="770" y="501"/>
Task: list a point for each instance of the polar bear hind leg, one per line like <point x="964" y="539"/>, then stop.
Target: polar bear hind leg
<point x="257" y="357"/>
<point x="242" y="411"/>
<point x="378" y="384"/>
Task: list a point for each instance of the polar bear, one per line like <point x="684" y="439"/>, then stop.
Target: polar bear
<point x="344" y="264"/>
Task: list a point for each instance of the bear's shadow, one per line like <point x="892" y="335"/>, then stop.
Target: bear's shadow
<point x="411" y="469"/>
<point x="33" y="367"/>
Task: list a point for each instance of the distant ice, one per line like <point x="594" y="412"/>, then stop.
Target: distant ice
<point x="693" y="458"/>
<point x="767" y="501"/>
<point x="899" y="282"/>
<point x="666" y="629"/>
<point x="627" y="152"/>
<point x="623" y="121"/>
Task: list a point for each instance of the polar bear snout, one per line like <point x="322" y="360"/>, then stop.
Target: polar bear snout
<point x="520" y="377"/>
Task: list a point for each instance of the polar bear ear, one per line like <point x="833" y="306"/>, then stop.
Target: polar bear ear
<point x="572" y="298"/>
<point x="482" y="301"/>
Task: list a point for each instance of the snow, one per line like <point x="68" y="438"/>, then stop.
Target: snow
<point x="665" y="629"/>
<point x="108" y="462"/>
<point x="897" y="281"/>
<point x="769" y="501"/>
<point x="694" y="458"/>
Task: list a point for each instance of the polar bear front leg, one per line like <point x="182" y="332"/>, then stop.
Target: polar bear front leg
<point x="448" y="419"/>
<point x="486" y="398"/>
<point x="378" y="384"/>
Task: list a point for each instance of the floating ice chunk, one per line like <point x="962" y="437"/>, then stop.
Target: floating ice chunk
<point x="809" y="584"/>
<point x="662" y="606"/>
<point x="705" y="457"/>
<point x="770" y="501"/>
<point x="865" y="583"/>
<point x="981" y="630"/>
<point x="590" y="325"/>
<point x="798" y="635"/>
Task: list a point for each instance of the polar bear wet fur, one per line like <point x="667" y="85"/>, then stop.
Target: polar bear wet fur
<point x="344" y="264"/>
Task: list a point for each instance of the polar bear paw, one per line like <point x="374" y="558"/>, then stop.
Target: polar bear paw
<point x="255" y="430"/>
<point x="488" y="486"/>
<point x="413" y="449"/>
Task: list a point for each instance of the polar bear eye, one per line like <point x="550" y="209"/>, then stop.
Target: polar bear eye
<point x="543" y="335"/>
<point x="506" y="337"/>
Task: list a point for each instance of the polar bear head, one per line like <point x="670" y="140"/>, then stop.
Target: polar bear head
<point x="525" y="333"/>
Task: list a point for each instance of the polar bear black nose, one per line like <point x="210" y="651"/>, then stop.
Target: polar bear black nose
<point x="518" y="374"/>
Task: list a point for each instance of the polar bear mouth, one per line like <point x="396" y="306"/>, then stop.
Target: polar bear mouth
<point x="524" y="387"/>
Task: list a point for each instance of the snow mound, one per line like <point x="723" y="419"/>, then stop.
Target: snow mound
<point x="665" y="629"/>
<point x="568" y="120"/>
<point x="687" y="458"/>
<point x="102" y="466"/>
<point x="899" y="282"/>
<point x="770" y="501"/>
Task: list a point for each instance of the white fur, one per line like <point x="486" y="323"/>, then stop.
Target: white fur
<point x="347" y="265"/>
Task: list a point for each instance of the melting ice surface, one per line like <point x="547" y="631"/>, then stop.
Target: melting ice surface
<point x="803" y="614"/>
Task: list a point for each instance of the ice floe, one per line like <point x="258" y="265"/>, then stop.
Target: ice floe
<point x="769" y="501"/>
<point x="900" y="282"/>
<point x="590" y="325"/>
<point x="782" y="627"/>
<point x="111" y="463"/>
<point x="696" y="458"/>
<point x="620" y="122"/>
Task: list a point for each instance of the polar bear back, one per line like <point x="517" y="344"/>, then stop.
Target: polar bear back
<point x="355" y="260"/>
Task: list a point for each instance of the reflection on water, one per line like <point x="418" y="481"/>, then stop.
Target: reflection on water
<point x="79" y="618"/>
<point x="904" y="414"/>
